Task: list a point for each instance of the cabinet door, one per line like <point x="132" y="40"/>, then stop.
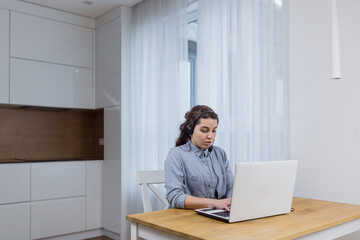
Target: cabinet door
<point x="112" y="170"/>
<point x="57" y="217"/>
<point x="93" y="194"/>
<point x="108" y="62"/>
<point x="4" y="56"/>
<point x="57" y="180"/>
<point x="15" y="221"/>
<point x="50" y="85"/>
<point x="14" y="183"/>
<point x="51" y="41"/>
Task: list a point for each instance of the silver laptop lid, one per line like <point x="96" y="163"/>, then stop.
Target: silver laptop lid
<point x="262" y="189"/>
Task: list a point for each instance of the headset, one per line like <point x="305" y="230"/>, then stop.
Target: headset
<point x="190" y="129"/>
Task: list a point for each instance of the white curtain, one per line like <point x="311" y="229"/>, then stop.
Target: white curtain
<point x="156" y="98"/>
<point x="242" y="76"/>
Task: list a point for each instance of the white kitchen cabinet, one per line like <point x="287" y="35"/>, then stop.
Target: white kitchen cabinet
<point x="15" y="221"/>
<point x="52" y="85"/>
<point x="93" y="194"/>
<point x="108" y="62"/>
<point x="109" y="37"/>
<point x="4" y="56"/>
<point x="65" y="197"/>
<point x="57" y="217"/>
<point x="14" y="183"/>
<point x="46" y="199"/>
<point x="47" y="40"/>
<point x="52" y="180"/>
<point x="112" y="170"/>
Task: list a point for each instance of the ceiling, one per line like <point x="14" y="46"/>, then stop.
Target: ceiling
<point x="87" y="8"/>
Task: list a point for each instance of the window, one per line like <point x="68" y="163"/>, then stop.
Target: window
<point x="192" y="50"/>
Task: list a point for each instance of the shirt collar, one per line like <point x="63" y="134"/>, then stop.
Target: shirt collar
<point x="197" y="151"/>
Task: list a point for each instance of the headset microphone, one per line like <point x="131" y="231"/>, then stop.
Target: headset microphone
<point x="211" y="147"/>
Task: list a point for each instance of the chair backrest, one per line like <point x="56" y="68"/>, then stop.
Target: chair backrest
<point x="148" y="179"/>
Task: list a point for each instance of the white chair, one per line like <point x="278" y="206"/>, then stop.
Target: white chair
<point x="148" y="179"/>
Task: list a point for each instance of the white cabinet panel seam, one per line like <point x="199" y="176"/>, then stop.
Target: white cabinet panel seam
<point x="61" y="64"/>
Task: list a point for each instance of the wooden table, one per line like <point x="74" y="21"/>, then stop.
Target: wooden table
<point x="312" y="219"/>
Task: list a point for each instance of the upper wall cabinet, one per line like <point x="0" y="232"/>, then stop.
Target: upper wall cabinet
<point x="51" y="41"/>
<point x="49" y="85"/>
<point x="4" y="56"/>
<point x="50" y="63"/>
<point x="108" y="62"/>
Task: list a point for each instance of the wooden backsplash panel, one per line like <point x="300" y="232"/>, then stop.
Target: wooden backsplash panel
<point x="50" y="134"/>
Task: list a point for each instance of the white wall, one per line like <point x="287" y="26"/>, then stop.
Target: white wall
<point x="325" y="113"/>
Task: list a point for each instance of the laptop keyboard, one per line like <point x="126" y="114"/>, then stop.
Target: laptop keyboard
<point x="222" y="214"/>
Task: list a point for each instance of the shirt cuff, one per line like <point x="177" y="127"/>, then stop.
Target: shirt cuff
<point x="180" y="203"/>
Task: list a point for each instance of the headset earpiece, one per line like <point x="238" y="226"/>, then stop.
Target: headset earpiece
<point x="190" y="131"/>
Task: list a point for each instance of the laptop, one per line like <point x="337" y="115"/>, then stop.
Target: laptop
<point x="261" y="189"/>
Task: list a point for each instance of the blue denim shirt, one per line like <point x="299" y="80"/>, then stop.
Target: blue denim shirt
<point x="190" y="171"/>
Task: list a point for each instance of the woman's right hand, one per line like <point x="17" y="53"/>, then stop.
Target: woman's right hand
<point x="222" y="203"/>
<point x="192" y="202"/>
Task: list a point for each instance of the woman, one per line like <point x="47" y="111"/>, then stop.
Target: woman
<point x="197" y="173"/>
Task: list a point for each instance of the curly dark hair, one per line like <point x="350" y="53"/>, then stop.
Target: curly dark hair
<point x="191" y="120"/>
